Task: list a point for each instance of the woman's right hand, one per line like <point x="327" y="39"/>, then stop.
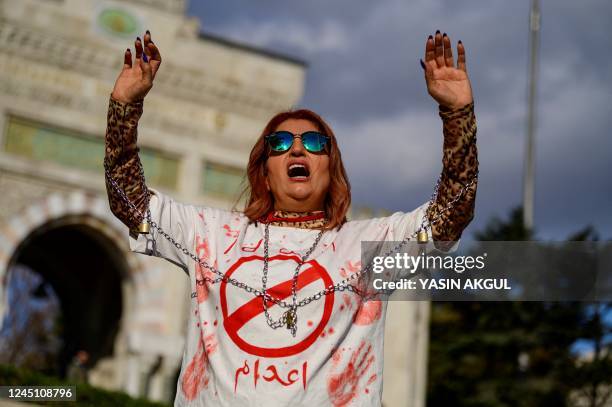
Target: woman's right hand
<point x="136" y="80"/>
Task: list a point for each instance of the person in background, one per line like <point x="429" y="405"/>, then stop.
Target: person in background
<point x="77" y="370"/>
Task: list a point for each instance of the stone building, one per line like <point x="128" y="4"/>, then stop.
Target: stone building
<point x="58" y="63"/>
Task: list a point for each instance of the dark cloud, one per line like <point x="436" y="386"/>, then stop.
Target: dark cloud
<point x="365" y="78"/>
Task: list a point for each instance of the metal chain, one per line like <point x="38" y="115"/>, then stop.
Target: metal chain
<point x="289" y="318"/>
<point x="340" y="286"/>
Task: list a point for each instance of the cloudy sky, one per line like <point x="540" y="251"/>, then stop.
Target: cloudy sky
<point x="364" y="78"/>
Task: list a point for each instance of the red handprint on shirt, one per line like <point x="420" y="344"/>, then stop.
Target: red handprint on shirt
<point x="196" y="375"/>
<point x="367" y="312"/>
<point x="343" y="380"/>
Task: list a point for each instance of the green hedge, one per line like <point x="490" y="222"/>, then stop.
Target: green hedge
<point x="86" y="395"/>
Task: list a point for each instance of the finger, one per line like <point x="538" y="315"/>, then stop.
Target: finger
<point x="155" y="58"/>
<point x="430" y="52"/>
<point x="138" y="46"/>
<point x="461" y="57"/>
<point x="430" y="57"/>
<point x="439" y="49"/>
<point x="127" y="59"/>
<point x="147" y="40"/>
<point x="154" y="52"/>
<point x="147" y="74"/>
<point x="448" y="51"/>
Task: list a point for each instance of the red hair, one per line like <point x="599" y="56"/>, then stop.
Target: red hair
<point x="261" y="201"/>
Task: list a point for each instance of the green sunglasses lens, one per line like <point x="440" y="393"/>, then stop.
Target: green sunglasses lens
<point x="314" y="141"/>
<point x="280" y="141"/>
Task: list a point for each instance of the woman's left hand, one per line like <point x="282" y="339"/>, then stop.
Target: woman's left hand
<point x="447" y="84"/>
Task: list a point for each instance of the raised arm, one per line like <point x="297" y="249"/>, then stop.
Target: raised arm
<point x="123" y="164"/>
<point x="450" y="87"/>
<point x="459" y="168"/>
<point x="121" y="153"/>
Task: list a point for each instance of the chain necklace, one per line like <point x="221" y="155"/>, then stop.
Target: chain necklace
<point x="289" y="318"/>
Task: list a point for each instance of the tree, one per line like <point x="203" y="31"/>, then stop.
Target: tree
<point x="29" y="336"/>
<point x="518" y="353"/>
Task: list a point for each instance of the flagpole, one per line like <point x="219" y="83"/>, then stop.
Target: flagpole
<point x="529" y="170"/>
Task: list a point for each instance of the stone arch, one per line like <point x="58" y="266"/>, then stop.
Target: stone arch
<point x="79" y="215"/>
<point x="91" y="208"/>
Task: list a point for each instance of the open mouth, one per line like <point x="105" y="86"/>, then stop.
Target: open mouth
<point x="298" y="171"/>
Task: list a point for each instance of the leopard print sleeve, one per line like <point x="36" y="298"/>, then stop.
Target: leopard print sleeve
<point x="122" y="161"/>
<point x="459" y="166"/>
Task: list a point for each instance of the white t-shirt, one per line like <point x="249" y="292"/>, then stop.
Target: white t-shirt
<point x="232" y="357"/>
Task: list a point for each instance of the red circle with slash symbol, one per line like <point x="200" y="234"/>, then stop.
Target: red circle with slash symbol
<point x="236" y="320"/>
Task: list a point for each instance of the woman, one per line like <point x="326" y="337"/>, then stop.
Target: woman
<point x="314" y="340"/>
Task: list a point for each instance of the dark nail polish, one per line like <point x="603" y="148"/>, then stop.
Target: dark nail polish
<point x="148" y="32"/>
<point x="444" y="35"/>
<point x="128" y="50"/>
<point x="437" y="32"/>
<point x="138" y="39"/>
<point x="422" y="63"/>
<point x="460" y="42"/>
<point x="431" y="37"/>
<point x="144" y="57"/>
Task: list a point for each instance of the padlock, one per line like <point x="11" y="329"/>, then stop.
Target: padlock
<point x="143" y="228"/>
<point x="422" y="236"/>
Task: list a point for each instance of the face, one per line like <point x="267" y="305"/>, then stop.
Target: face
<point x="299" y="180"/>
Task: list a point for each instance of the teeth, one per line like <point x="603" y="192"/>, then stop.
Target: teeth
<point x="292" y="166"/>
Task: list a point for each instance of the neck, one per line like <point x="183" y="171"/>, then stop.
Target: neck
<point x="291" y="204"/>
